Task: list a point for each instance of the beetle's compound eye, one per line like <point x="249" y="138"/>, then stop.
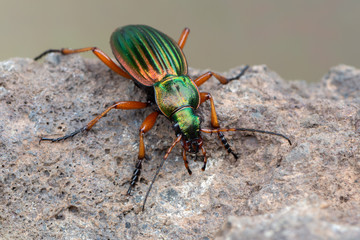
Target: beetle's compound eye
<point x="176" y="128"/>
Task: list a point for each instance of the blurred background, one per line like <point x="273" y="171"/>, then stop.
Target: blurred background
<point x="297" y="39"/>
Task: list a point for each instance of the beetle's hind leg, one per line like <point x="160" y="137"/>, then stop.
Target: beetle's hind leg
<point x="127" y="105"/>
<point x="100" y="54"/>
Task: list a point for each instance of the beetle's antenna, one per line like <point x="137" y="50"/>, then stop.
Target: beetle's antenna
<point x="158" y="170"/>
<point x="244" y="130"/>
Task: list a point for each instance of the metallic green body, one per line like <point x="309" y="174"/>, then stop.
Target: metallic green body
<point x="156" y="61"/>
<point x="176" y="92"/>
<point x="188" y="122"/>
<point x="147" y="54"/>
<point x="177" y="97"/>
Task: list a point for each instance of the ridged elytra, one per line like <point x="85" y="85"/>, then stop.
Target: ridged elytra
<point x="156" y="63"/>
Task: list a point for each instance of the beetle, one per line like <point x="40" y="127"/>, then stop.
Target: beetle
<point x="157" y="64"/>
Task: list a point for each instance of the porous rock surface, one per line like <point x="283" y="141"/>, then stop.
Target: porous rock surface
<point x="76" y="189"/>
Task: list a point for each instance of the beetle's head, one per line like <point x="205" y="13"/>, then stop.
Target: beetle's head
<point x="187" y="124"/>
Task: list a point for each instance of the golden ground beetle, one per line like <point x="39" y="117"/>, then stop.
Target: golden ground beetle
<point x="156" y="63"/>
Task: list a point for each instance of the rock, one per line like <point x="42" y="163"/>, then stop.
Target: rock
<point x="77" y="188"/>
<point x="306" y="219"/>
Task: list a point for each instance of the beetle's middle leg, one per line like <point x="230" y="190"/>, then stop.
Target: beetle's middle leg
<point x="147" y="124"/>
<point x="204" y="96"/>
<point x="126" y="105"/>
<point x="223" y="80"/>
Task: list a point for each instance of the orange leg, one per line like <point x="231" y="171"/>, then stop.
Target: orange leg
<point x="205" y="158"/>
<point x="183" y="37"/>
<point x="118" y="105"/>
<point x="223" y="80"/>
<point x="215" y="123"/>
<point x="100" y="54"/>
<point x="147" y="124"/>
<point x="204" y="96"/>
<point x="186" y="162"/>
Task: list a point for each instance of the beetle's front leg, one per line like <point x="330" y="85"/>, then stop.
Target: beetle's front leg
<point x="223" y="80"/>
<point x="186" y="161"/>
<point x="204" y="96"/>
<point x="147" y="124"/>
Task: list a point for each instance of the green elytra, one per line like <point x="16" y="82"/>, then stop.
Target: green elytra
<point x="147" y="54"/>
<point x="156" y="61"/>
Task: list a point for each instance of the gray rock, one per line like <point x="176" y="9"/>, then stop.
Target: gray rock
<point x="77" y="188"/>
<point x="306" y="219"/>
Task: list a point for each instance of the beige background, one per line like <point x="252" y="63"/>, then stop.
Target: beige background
<point x="299" y="40"/>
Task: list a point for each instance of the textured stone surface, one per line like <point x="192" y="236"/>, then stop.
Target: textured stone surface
<point x="304" y="220"/>
<point x="76" y="189"/>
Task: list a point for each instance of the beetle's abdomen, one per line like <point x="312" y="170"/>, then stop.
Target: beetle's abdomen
<point x="147" y="54"/>
<point x="174" y="93"/>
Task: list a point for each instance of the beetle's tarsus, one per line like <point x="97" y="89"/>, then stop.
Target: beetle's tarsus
<point x="136" y="175"/>
<point x="64" y="137"/>
<point x="226" y="145"/>
<point x="235" y="155"/>
<point x="129" y="190"/>
<point x="147" y="158"/>
<point x="240" y="74"/>
<point x="47" y="52"/>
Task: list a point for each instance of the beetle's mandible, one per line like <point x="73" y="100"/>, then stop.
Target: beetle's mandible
<point x="156" y="63"/>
